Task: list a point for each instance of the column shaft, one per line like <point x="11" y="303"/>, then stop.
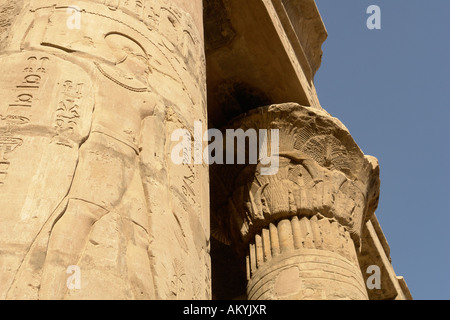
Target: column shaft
<point x="324" y="268"/>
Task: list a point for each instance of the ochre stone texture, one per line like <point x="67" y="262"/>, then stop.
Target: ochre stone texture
<point x="92" y="205"/>
<point x="86" y="119"/>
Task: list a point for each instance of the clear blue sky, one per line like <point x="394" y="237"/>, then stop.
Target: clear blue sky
<point x="391" y="88"/>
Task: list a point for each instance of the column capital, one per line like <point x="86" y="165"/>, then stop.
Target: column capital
<point x="321" y="171"/>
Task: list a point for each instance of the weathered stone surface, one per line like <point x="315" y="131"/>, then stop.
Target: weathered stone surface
<point x="92" y="205"/>
<point x="321" y="170"/>
<point x="314" y="206"/>
<point x="85" y="119"/>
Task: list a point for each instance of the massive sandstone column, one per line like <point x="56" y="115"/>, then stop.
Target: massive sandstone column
<point x="300" y="228"/>
<point x="91" y="91"/>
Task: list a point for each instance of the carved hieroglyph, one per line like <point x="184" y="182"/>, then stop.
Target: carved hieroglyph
<point x="39" y="138"/>
<point x="299" y="227"/>
<point x="85" y="180"/>
<point x="91" y="205"/>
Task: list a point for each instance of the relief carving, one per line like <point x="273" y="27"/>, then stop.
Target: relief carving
<point x="30" y="83"/>
<point x="86" y="180"/>
<point x="321" y="170"/>
<point x="83" y="120"/>
<point x="68" y="113"/>
<point x="130" y="68"/>
<point x="298" y="228"/>
<point x="8" y="142"/>
<point x="177" y="285"/>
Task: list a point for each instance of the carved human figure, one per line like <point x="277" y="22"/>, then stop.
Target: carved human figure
<point x="108" y="84"/>
<point x="108" y="159"/>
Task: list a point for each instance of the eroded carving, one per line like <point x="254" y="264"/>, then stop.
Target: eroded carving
<point x="315" y="205"/>
<point x="30" y="83"/>
<point x="68" y="113"/>
<point x="130" y="59"/>
<point x="321" y="170"/>
<point x="177" y="285"/>
<point x="85" y="175"/>
<point x="8" y="142"/>
<point x="9" y="10"/>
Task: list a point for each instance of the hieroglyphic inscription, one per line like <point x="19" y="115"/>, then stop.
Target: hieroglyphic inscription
<point x="34" y="72"/>
<point x="136" y="6"/>
<point x="7" y="145"/>
<point x="8" y="142"/>
<point x="177" y="286"/>
<point x="112" y="4"/>
<point x="67" y="112"/>
<point x="188" y="188"/>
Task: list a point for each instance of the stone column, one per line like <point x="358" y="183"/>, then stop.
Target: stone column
<point x="92" y="91"/>
<point x="300" y="227"/>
